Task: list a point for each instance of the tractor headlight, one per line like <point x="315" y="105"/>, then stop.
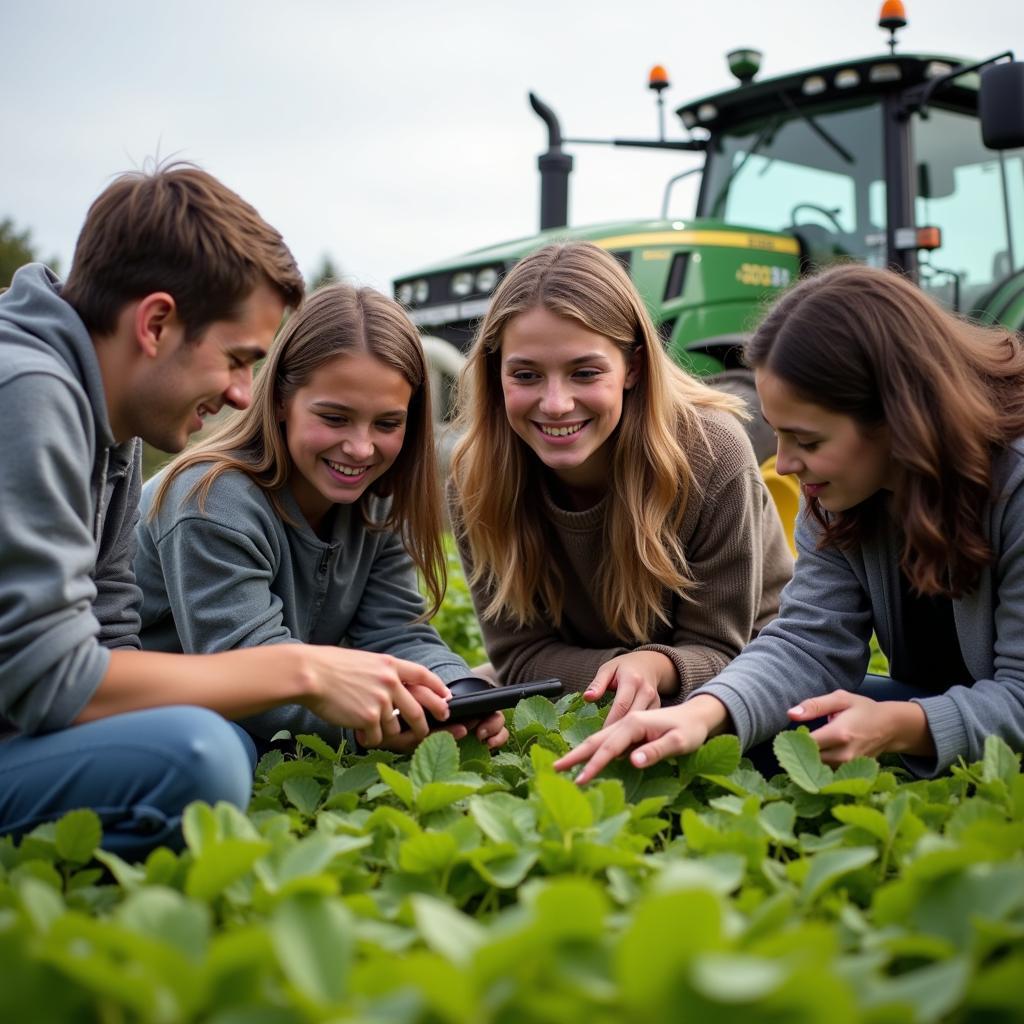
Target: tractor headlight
<point x="486" y="280"/>
<point x="462" y="284"/>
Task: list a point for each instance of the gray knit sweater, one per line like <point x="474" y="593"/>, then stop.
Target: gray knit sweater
<point x="736" y="551"/>
<point x="234" y="574"/>
<point x="819" y="642"/>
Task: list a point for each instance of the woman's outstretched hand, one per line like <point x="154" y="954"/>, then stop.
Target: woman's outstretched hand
<point x="638" y="679"/>
<point x="654" y="735"/>
<point x="859" y="726"/>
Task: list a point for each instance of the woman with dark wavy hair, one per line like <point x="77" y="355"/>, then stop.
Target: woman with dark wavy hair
<point x="905" y="427"/>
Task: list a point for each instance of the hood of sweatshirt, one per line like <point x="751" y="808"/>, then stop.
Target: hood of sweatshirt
<point x="34" y="317"/>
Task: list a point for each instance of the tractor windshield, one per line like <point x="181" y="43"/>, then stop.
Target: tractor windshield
<point x="817" y="174"/>
<point x="976" y="197"/>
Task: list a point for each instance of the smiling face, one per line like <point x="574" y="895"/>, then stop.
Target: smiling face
<point x="563" y="387"/>
<point x="835" y="460"/>
<point x="191" y="380"/>
<point x="344" y="429"/>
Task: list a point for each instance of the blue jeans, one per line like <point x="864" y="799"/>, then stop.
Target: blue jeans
<point x="875" y="687"/>
<point x="137" y="771"/>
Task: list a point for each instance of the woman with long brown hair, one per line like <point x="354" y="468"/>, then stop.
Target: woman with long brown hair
<point x="307" y="516"/>
<point x="614" y="527"/>
<point x="904" y="425"/>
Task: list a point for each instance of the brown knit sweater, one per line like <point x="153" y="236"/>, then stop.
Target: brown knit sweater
<point x="735" y="548"/>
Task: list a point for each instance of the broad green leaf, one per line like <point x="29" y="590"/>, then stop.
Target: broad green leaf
<point x="799" y="756"/>
<point x="827" y="868"/>
<point x="735" y="977"/>
<point x="166" y="915"/>
<point x="355" y="779"/>
<point x="436" y="759"/>
<point x="575" y="728"/>
<point x="719" y="756"/>
<point x="657" y="947"/>
<point x="721" y="873"/>
<point x="280" y="773"/>
<point x="777" y="819"/>
<point x="311" y="855"/>
<point x="567" y="807"/>
<point x="855" y="778"/>
<point x="445" y="930"/>
<point x="77" y="835"/>
<point x="304" y="793"/>
<point x="427" y="852"/>
<point x="932" y="992"/>
<point x="535" y="715"/>
<point x="41" y="902"/>
<point x="1000" y="762"/>
<point x="541" y="758"/>
<point x="503" y="817"/>
<point x="435" y="795"/>
<point x="569" y="908"/>
<point x="400" y="784"/>
<point x="313" y="940"/>
<point x="221" y="864"/>
<point x="318" y="745"/>
<point x="506" y="870"/>
<point x="867" y="818"/>
<point x="199" y="826"/>
<point x="128" y="876"/>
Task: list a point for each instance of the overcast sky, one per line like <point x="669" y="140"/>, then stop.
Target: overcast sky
<point x="396" y="133"/>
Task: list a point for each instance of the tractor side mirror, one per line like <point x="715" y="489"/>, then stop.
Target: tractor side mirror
<point x="1001" y="105"/>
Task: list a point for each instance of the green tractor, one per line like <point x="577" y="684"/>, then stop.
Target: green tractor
<point x="906" y="161"/>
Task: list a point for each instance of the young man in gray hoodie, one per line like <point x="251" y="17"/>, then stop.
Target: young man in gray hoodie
<point x="176" y="289"/>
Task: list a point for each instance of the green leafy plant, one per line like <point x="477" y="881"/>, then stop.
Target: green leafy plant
<point x="460" y="886"/>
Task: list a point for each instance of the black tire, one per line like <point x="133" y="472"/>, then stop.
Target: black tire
<point x="740" y="382"/>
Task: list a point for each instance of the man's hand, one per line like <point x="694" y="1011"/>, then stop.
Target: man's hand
<point x="859" y="726"/>
<point x="657" y="734"/>
<point x="638" y="679"/>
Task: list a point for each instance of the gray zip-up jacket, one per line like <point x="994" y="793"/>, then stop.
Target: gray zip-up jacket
<point x="819" y="642"/>
<point x="234" y="574"/>
<point x="69" y="497"/>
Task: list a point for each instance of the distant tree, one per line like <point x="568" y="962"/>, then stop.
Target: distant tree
<point x="327" y="273"/>
<point x="15" y="250"/>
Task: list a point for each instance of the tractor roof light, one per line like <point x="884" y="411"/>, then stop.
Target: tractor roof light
<point x="707" y="112"/>
<point x="657" y="78"/>
<point x="689" y="119"/>
<point x="885" y="73"/>
<point x="891" y="17"/>
<point x="848" y="78"/>
<point x="744" y="63"/>
<point x="813" y="85"/>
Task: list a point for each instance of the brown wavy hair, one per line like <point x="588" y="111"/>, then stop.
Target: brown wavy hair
<point x="175" y="229"/>
<point x="334" y="320"/>
<point x="496" y="477"/>
<point x="869" y="344"/>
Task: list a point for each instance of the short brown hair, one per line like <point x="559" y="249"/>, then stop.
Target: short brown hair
<point x="179" y="230"/>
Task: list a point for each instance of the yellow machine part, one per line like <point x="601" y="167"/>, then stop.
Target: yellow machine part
<point x="785" y="492"/>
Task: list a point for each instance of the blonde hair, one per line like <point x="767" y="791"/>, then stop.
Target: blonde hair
<point x="497" y="478"/>
<point x="335" y="320"/>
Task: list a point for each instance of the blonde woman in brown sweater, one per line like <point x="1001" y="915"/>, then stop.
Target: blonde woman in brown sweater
<point x="610" y="515"/>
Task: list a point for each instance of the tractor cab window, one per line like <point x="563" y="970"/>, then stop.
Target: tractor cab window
<point x="976" y="196"/>
<point x="817" y="175"/>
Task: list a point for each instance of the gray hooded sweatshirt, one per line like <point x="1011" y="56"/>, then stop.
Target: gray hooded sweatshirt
<point x="69" y="501"/>
<point x="233" y="574"/>
<point x="819" y="642"/>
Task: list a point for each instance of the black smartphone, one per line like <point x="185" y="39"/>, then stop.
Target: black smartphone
<point x="473" y="697"/>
